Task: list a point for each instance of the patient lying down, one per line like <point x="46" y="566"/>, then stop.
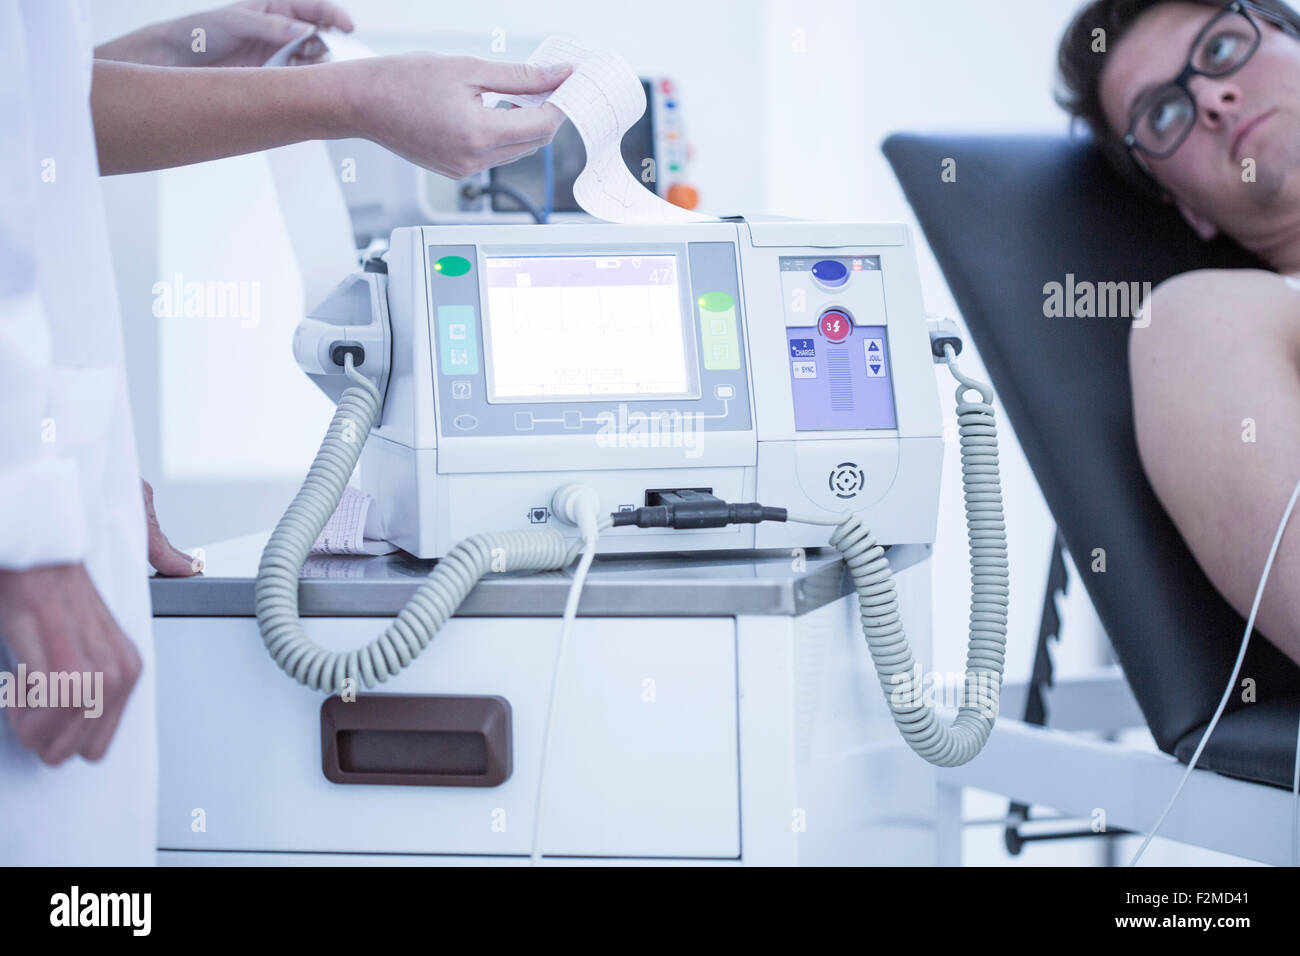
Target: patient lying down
<point x="1216" y="373"/>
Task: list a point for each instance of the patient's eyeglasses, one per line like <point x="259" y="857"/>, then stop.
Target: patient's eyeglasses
<point x="1164" y="117"/>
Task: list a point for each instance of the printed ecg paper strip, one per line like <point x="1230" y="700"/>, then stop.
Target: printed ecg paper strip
<point x="603" y="97"/>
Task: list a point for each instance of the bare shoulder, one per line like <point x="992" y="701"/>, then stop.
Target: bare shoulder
<point x="1244" y="305"/>
<point x="1201" y="281"/>
<point x="1217" y="341"/>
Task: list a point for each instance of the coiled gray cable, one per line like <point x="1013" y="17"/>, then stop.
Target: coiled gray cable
<point x="276" y="594"/>
<point x="454" y="576"/>
<point x="915" y="717"/>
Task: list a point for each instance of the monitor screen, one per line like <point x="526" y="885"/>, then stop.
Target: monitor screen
<point x="589" y="328"/>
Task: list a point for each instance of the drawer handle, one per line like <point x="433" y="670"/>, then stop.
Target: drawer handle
<point x="416" y="740"/>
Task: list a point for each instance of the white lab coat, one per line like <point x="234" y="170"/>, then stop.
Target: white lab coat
<point x="69" y="478"/>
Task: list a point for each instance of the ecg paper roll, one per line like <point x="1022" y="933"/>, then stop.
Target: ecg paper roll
<point x="603" y="97"/>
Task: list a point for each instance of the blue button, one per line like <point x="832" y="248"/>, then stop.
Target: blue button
<point x="458" y="339"/>
<point x="803" y="348"/>
<point x="830" y="273"/>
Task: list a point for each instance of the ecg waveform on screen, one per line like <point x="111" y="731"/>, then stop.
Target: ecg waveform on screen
<point x="620" y="315"/>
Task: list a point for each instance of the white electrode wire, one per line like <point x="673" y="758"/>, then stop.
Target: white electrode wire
<point x="437" y="598"/>
<point x="916" y="718"/>
<point x="1227" y="695"/>
<point x="588" y="545"/>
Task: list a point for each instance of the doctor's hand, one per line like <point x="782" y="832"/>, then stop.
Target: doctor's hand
<point x="54" y="622"/>
<point x="240" y="34"/>
<point x="167" y="559"/>
<point x="427" y="108"/>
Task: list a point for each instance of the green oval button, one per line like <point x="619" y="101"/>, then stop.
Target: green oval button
<point x="716" y="302"/>
<point x="452" y="265"/>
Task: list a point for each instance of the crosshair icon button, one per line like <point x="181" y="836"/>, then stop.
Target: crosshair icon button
<point x="847" y="480"/>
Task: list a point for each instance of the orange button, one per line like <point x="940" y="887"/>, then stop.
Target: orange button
<point x="680" y="194"/>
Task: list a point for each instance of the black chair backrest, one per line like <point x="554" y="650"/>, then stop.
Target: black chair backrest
<point x="1025" y="211"/>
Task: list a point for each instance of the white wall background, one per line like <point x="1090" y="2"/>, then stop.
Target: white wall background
<point x="786" y="105"/>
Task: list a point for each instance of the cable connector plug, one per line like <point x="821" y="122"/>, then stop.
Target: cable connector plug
<point x="690" y="510"/>
<point x="578" y="505"/>
<point x="943" y="333"/>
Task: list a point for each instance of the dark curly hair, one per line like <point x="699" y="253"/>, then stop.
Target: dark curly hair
<point x="1079" y="68"/>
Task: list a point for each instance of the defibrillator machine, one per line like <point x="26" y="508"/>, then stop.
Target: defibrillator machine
<point x="522" y="398"/>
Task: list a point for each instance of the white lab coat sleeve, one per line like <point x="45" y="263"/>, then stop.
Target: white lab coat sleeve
<point x="42" y="516"/>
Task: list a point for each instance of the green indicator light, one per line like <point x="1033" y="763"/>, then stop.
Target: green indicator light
<point x="716" y="302"/>
<point x="452" y="265"/>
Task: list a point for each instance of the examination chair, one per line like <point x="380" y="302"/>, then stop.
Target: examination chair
<point x="1025" y="211"/>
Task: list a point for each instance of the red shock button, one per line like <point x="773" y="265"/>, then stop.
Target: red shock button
<point x="835" y="326"/>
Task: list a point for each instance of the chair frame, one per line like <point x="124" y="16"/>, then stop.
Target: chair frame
<point x="1062" y="754"/>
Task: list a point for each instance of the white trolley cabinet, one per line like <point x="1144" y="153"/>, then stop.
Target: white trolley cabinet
<point x="713" y="708"/>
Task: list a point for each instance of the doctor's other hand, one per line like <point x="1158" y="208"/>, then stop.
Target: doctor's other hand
<point x="239" y="34"/>
<point x="54" y="622"/>
<point x="428" y="108"/>
<point x="167" y="559"/>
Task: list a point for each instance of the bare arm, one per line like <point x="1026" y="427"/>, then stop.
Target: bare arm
<point x="149" y="117"/>
<point x="1216" y="391"/>
<point x="239" y="34"/>
<point x="423" y="106"/>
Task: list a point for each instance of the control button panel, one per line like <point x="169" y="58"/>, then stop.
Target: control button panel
<point x="837" y="347"/>
<point x="852" y="283"/>
<point x="843" y="383"/>
<point x="458" y="339"/>
<point x="718" y="336"/>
